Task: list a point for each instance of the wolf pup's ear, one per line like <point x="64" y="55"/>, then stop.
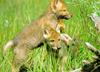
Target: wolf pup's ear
<point x="55" y="4"/>
<point x="46" y="34"/>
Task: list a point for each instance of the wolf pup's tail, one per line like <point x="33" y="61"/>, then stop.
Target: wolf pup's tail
<point x="7" y="46"/>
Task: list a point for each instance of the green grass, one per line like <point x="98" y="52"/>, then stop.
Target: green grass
<point x="15" y="14"/>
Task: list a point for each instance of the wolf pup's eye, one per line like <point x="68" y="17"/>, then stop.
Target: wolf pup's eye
<point x="58" y="39"/>
<point x="51" y="40"/>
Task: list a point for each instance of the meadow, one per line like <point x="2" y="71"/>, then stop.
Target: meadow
<point x="15" y="14"/>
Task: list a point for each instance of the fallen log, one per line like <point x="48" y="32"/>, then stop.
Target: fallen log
<point x="93" y="49"/>
<point x="96" y="19"/>
<point x="93" y="66"/>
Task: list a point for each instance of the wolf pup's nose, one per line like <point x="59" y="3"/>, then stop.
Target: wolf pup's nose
<point x="59" y="48"/>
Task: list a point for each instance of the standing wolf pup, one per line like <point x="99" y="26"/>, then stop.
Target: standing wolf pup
<point x="55" y="14"/>
<point x="48" y="27"/>
<point x="30" y="38"/>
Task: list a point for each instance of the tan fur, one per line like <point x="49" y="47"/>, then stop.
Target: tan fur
<point x="56" y="13"/>
<point x="46" y="28"/>
<point x="8" y="45"/>
<point x="23" y="44"/>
